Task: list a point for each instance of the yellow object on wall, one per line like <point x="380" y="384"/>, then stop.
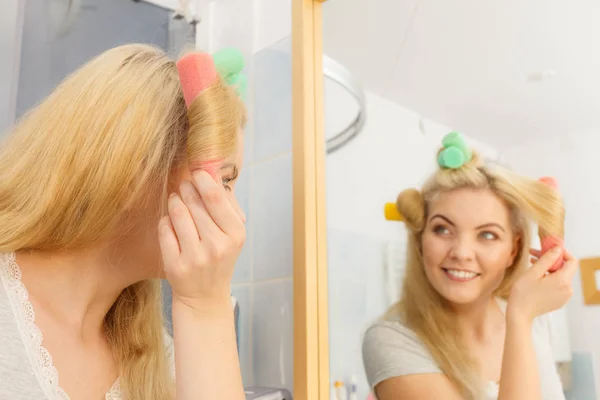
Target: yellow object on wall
<point x="589" y="268"/>
<point x="391" y="212"/>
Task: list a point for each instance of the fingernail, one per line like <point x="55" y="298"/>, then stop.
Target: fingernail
<point x="173" y="197"/>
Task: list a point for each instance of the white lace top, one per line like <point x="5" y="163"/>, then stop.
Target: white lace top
<point x="26" y="368"/>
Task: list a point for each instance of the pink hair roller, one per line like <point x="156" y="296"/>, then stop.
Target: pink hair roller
<point x="550" y="241"/>
<point x="197" y="72"/>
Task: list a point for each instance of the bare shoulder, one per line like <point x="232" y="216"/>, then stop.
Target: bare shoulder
<point x="417" y="387"/>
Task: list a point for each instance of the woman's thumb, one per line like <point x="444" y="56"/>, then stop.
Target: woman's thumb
<point x="546" y="261"/>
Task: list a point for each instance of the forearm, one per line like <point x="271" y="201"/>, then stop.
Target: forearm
<point x="206" y="360"/>
<point x="520" y="378"/>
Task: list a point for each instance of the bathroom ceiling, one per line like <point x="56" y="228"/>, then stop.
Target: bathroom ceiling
<point x="502" y="72"/>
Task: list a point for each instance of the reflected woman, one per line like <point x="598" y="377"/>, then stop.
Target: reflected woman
<point x="471" y="322"/>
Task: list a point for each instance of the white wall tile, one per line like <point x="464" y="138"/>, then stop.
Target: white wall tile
<point x="356" y="299"/>
<point x="272" y="101"/>
<point x="272" y="334"/>
<point x="242" y="294"/>
<point x="273" y="22"/>
<point x="271" y="212"/>
<point x="243" y="267"/>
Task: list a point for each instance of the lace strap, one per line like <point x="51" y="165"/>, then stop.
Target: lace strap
<point x="40" y="358"/>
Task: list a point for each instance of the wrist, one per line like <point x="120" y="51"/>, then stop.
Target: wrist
<point x="210" y="307"/>
<point x="518" y="318"/>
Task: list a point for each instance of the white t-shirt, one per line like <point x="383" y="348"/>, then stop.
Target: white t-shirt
<point x="26" y="369"/>
<point x="391" y="349"/>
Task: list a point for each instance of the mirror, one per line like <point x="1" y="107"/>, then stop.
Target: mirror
<point x="519" y="81"/>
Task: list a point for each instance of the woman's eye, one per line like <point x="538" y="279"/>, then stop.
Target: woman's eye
<point x="226" y="182"/>
<point x="441" y="230"/>
<point x="489" y="235"/>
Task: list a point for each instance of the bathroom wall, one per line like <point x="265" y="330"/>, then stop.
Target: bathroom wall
<point x="249" y="25"/>
<point x="46" y="58"/>
<point x="262" y="281"/>
<point x="574" y="162"/>
<point x="11" y="20"/>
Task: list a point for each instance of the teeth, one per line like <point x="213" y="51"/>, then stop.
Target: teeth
<point x="462" y="274"/>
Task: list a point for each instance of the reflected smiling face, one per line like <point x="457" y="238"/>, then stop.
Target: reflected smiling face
<point x="468" y="243"/>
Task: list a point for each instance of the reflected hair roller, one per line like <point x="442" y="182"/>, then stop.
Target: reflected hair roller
<point x="547" y="240"/>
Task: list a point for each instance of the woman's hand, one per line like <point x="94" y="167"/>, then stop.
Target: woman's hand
<point x="538" y="292"/>
<point x="201" y="239"/>
<point x="535" y="293"/>
<point x="200" y="242"/>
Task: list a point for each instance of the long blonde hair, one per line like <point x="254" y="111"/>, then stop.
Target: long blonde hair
<point x="422" y="308"/>
<point x="74" y="166"/>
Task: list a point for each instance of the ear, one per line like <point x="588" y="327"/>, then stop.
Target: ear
<point x="517" y="243"/>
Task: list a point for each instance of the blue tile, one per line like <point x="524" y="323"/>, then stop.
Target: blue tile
<point x="242" y="294"/>
<point x="583" y="386"/>
<point x="248" y="138"/>
<point x="167" y="300"/>
<point x="271" y="227"/>
<point x="272" y="101"/>
<point x="272" y="334"/>
<point x="356" y="299"/>
<point x="243" y="267"/>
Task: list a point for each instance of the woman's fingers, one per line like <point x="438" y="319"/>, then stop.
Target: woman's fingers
<point x="535" y="252"/>
<point x="169" y="246"/>
<point x="184" y="227"/>
<point x="568" y="269"/>
<point x="217" y="204"/>
<point x="210" y="233"/>
<point x="569" y="256"/>
<point x="238" y="209"/>
<point x="205" y="226"/>
<point x="545" y="262"/>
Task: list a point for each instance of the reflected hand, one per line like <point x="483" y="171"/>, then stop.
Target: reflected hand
<point x="201" y="239"/>
<point x="538" y="292"/>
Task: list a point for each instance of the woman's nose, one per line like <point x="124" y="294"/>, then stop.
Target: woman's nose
<point x="462" y="248"/>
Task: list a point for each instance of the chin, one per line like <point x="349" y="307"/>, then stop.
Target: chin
<point x="459" y="293"/>
<point x="460" y="297"/>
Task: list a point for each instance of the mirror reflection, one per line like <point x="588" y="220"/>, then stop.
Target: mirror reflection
<point x="444" y="208"/>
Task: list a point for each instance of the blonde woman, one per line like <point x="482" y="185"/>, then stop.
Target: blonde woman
<point x="470" y="324"/>
<point x="101" y="194"/>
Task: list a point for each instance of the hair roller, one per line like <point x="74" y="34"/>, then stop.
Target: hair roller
<point x="411" y="206"/>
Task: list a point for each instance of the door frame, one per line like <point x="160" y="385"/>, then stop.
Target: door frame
<point x="311" y="332"/>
